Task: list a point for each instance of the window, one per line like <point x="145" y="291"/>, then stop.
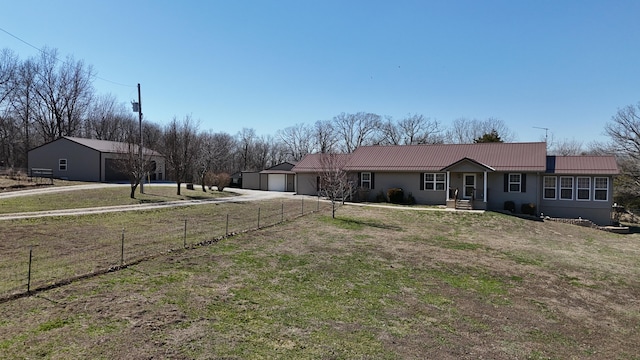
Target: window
<point x="515" y="181"/>
<point x="365" y="180"/>
<point x="550" y="183"/>
<point x="601" y="189"/>
<point x="434" y="181"/>
<point x="566" y="188"/>
<point x="62" y="164"/>
<point x="583" y="191"/>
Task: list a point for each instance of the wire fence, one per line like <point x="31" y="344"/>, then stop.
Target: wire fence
<point x="53" y="261"/>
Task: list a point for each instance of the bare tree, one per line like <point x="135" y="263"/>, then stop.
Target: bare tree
<point x="25" y="102"/>
<point x="180" y="149"/>
<point x="334" y="182"/>
<point x="297" y="140"/>
<point x="246" y="143"/>
<point x="565" y="147"/>
<point x="133" y="164"/>
<point x="356" y="129"/>
<point x="465" y="131"/>
<point x="65" y="91"/>
<point x="8" y="69"/>
<point x="108" y="119"/>
<point x="325" y="136"/>
<point x="412" y="130"/>
<point x="624" y="132"/>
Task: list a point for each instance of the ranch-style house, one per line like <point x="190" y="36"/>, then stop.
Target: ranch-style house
<point x="487" y="176"/>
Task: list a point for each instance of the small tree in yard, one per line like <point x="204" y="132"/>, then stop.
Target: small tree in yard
<point x="132" y="164"/>
<point x="334" y="182"/>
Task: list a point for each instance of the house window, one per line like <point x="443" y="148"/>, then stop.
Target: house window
<point x="515" y="182"/>
<point x="566" y="188"/>
<point x="62" y="164"/>
<point x="434" y="181"/>
<point x="583" y="191"/>
<point x="550" y="183"/>
<point x="365" y="180"/>
<point x="601" y="189"/>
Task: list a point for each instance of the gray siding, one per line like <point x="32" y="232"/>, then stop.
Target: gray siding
<point x="251" y="180"/>
<point x="83" y="163"/>
<point x="306" y="184"/>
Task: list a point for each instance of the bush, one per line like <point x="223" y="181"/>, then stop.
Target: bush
<point x="510" y="206"/>
<point x="528" y="209"/>
<point x="410" y="199"/>
<point x="222" y="181"/>
<point x="209" y="179"/>
<point x="395" y="195"/>
<point x="380" y="197"/>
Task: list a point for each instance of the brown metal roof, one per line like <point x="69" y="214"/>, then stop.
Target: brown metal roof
<point x="313" y="162"/>
<point x="592" y="165"/>
<point x="499" y="156"/>
<point x="108" y="146"/>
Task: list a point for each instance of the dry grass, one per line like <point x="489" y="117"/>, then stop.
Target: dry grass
<point x="374" y="283"/>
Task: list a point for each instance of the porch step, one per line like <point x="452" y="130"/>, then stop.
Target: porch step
<point x="464" y="205"/>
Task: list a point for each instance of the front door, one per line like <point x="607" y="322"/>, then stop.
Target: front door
<point x="469" y="186"/>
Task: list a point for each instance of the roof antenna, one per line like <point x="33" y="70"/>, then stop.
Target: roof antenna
<point x="546" y="132"/>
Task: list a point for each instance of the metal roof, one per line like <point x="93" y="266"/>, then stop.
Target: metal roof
<point x="524" y="157"/>
<point x="313" y="162"/>
<point x="106" y="146"/>
<point x="592" y="165"/>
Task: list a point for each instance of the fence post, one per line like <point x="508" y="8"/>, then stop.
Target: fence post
<point x="258" y="217"/>
<point x="122" y="249"/>
<point x="226" y="229"/>
<point x="302" y="206"/>
<point x="282" y="213"/>
<point x="29" y="273"/>
<point x="185" y="234"/>
<point x="318" y="205"/>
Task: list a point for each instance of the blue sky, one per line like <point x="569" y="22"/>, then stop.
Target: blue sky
<point x="564" y="65"/>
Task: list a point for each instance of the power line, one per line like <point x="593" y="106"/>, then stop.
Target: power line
<point x="45" y="53"/>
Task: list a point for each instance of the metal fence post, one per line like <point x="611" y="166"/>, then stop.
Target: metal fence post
<point x="29" y="273"/>
<point x="258" y="218"/>
<point x="282" y="213"/>
<point x="185" y="234"/>
<point x="122" y="249"/>
<point x="226" y="230"/>
<point x="302" y="206"/>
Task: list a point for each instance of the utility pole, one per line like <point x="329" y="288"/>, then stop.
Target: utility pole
<point x="137" y="107"/>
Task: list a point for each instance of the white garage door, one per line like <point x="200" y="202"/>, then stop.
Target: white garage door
<point x="277" y="182"/>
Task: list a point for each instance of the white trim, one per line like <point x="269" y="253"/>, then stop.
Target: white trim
<point x="600" y="189"/>
<point x="485" y="187"/>
<point x="434" y="182"/>
<point x="60" y="165"/>
<point x="464" y="186"/>
<point x="362" y="180"/>
<point x="519" y="182"/>
<point x="565" y="188"/>
<point x="545" y="187"/>
<point x="578" y="188"/>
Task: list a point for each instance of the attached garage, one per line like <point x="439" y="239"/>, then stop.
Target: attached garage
<point x="277" y="182"/>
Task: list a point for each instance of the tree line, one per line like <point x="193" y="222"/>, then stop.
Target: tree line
<point x="45" y="97"/>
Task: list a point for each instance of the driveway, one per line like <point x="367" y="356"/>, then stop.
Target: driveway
<point x="244" y="195"/>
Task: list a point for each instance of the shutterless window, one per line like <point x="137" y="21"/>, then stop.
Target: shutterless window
<point x="435" y="181"/>
<point x="583" y="191"/>
<point x="365" y="180"/>
<point x="515" y="182"/>
<point x="62" y="164"/>
<point x="550" y="183"/>
<point x="566" y="188"/>
<point x="601" y="189"/>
